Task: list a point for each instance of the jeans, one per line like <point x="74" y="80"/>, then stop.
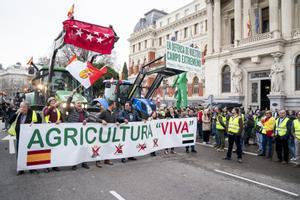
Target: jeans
<point x="213" y="129"/>
<point x="259" y="140"/>
<point x="217" y="139"/>
<point x="267" y="142"/>
<point x="297" y="145"/>
<point x="233" y="138"/>
<point x="282" y="147"/>
<point x="221" y="134"/>
<point x="292" y="148"/>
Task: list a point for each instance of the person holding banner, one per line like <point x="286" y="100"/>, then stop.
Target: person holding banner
<point x="129" y="115"/>
<point x="25" y="115"/>
<point x="52" y="114"/>
<point x="171" y="114"/>
<point x="154" y="116"/>
<point x="109" y="116"/>
<point x="193" y="150"/>
<point x="76" y="114"/>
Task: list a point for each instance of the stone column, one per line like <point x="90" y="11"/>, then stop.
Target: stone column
<point x="210" y="45"/>
<point x="287" y="13"/>
<point x="237" y="20"/>
<point x="246" y="12"/>
<point x="217" y="25"/>
<point x="274" y="17"/>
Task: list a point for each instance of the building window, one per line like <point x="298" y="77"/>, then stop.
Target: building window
<point x="177" y="16"/>
<point x="139" y="46"/>
<point x="297" y="73"/>
<point x="186" y="12"/>
<point x="145" y="44"/>
<point x="168" y="37"/>
<point x="232" y="31"/>
<point x="159" y="41"/>
<point x="265" y="20"/>
<point x="205" y="26"/>
<point x="160" y="24"/>
<point x="197" y="7"/>
<point x="196" y="85"/>
<point x="169" y="20"/>
<point x="185" y="32"/>
<point x="176" y="35"/>
<point x="196" y="29"/>
<point x="133" y="49"/>
<point x="226" y="79"/>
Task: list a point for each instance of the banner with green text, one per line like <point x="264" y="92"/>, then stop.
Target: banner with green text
<point x="183" y="57"/>
<point x="68" y="144"/>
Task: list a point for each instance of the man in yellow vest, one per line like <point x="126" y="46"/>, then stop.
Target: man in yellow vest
<point x="25" y="115"/>
<point x="296" y="133"/>
<point x="221" y="128"/>
<point x="235" y="129"/>
<point x="268" y="123"/>
<point x="282" y="132"/>
<point x="52" y="115"/>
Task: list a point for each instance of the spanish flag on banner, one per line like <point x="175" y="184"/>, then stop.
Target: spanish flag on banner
<point x="71" y="12"/>
<point x="39" y="157"/>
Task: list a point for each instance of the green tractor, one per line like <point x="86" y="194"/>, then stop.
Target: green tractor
<point x="61" y="86"/>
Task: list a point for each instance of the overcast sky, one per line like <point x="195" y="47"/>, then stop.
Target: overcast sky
<point x="28" y="27"/>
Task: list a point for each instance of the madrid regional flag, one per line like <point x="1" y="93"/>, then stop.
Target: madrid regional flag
<point x="85" y="72"/>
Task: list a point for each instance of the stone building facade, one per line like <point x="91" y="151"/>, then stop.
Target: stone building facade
<point x="188" y="25"/>
<point x="14" y="79"/>
<point x="253" y="49"/>
<point x="254" y="52"/>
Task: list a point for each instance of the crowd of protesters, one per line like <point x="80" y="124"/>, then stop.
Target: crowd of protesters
<point x="215" y="126"/>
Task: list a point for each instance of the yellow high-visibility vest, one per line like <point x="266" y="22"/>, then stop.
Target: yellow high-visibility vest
<point x="296" y="124"/>
<point x="47" y="117"/>
<point x="282" y="129"/>
<point x="218" y="124"/>
<point x="234" y="126"/>
<point x="12" y="128"/>
<point x="269" y="125"/>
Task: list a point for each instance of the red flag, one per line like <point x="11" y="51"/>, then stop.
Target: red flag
<point x="204" y="54"/>
<point x="85" y="73"/>
<point x="89" y="36"/>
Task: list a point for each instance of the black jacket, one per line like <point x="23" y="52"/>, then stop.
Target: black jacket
<point x="28" y="120"/>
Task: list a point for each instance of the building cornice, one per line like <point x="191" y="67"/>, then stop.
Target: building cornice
<point x="181" y="21"/>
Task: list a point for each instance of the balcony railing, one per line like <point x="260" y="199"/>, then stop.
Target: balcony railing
<point x="256" y="38"/>
<point x="296" y="33"/>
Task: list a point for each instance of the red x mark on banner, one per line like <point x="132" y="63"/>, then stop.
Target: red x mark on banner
<point x="155" y="142"/>
<point x="95" y="150"/>
<point x="119" y="149"/>
<point x="141" y="147"/>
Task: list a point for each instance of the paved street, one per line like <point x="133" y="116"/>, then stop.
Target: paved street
<point x="183" y="176"/>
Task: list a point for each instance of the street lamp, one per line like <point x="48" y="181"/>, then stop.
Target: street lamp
<point x="165" y="86"/>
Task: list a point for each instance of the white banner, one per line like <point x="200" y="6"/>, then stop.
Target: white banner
<point x="68" y="144"/>
<point x="182" y="57"/>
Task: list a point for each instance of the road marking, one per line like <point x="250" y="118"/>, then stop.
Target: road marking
<point x="115" y="194"/>
<point x="209" y="145"/>
<point x="258" y="183"/>
<point x="11" y="143"/>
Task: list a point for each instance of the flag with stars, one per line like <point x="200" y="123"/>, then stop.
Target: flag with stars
<point x="89" y="36"/>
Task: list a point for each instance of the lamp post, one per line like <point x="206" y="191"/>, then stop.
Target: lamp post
<point x="165" y="86"/>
